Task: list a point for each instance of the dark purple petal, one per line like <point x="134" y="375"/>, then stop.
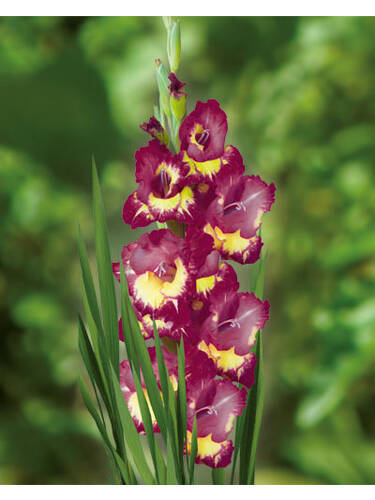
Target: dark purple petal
<point x="135" y="213"/>
<point x="155" y="129"/>
<point x="175" y="87"/>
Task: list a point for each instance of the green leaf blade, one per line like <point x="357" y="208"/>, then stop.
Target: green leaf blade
<point x="88" y="282"/>
<point x="258" y="397"/>
<point x="193" y="451"/>
<point x="132" y="437"/>
<point x="251" y="418"/>
<point x="219" y="476"/>
<point x="105" y="275"/>
<point x="106" y="440"/>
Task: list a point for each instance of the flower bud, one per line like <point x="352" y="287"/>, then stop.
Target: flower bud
<point x="167" y="20"/>
<point x="174" y="46"/>
<point x="177" y="97"/>
<point x="162" y="80"/>
<point x="154" y="128"/>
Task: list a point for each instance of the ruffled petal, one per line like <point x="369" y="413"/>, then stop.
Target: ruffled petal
<point x="234" y="216"/>
<point x="210" y="453"/>
<point x="231" y="365"/>
<point x="209" y="171"/>
<point x="242" y="200"/>
<point x="135" y="213"/>
<point x="235" y="320"/>
<point x="182" y="207"/>
<point x="225" y="278"/>
<point x="234" y="246"/>
<point x="166" y="328"/>
<point x="216" y="404"/>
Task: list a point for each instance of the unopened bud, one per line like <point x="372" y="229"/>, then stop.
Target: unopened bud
<point x="174" y="46"/>
<point x="155" y="129"/>
<point x="167" y="20"/>
<point x="162" y="80"/>
<point x="177" y="97"/>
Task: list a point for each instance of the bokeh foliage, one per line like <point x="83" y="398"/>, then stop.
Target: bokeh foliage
<point x="300" y="96"/>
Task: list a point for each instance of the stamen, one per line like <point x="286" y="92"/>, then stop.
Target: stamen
<point x="202" y="138"/>
<point x="229" y="323"/>
<point x="206" y="410"/>
<point x="234" y="207"/>
<point x="165" y="271"/>
<point x="164" y="181"/>
<point x="160" y="270"/>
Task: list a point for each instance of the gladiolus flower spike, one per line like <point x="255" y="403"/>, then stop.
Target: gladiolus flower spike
<point x="192" y="338"/>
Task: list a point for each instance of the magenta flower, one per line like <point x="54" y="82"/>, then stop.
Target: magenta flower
<point x="229" y="331"/>
<point x="202" y="136"/>
<point x="129" y="391"/>
<point x="164" y="192"/>
<point x="203" y="131"/>
<point x="210" y="274"/>
<point x="234" y="216"/>
<point x="157" y="272"/>
<point x="215" y="404"/>
<point x="235" y="320"/>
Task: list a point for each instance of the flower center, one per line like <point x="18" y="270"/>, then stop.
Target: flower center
<point x="165" y="271"/>
<point x="165" y="181"/>
<point x="202" y="138"/>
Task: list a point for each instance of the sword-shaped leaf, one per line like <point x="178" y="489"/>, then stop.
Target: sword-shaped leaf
<point x="252" y="416"/>
<point x="106" y="285"/>
<point x="133" y="442"/>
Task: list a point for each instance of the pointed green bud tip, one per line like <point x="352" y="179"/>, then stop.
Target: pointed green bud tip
<point x="167" y="20"/>
<point x="174" y="46"/>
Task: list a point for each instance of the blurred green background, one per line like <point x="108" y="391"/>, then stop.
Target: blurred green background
<point x="300" y="97"/>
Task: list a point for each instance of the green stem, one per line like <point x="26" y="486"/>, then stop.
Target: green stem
<point x="218" y="476"/>
<point x="177" y="228"/>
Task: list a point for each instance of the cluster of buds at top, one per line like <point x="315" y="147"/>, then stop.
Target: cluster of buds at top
<point x="179" y="275"/>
